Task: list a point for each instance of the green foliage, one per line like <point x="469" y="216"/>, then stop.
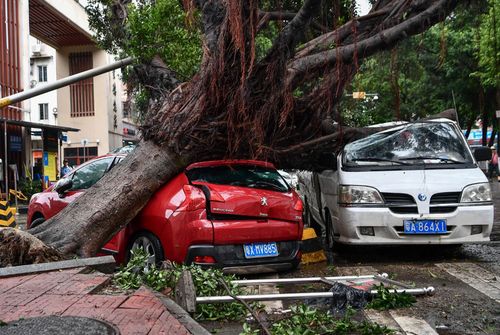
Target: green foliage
<point x="207" y="282"/>
<point x="431" y="69"/>
<point x="133" y="274"/>
<point x="159" y="27"/>
<point x="27" y="185"/>
<point x="385" y="299"/>
<point x="305" y="320"/>
<point x="489" y="46"/>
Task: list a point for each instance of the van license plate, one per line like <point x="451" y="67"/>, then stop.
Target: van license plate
<point x="256" y="250"/>
<point x="425" y="226"/>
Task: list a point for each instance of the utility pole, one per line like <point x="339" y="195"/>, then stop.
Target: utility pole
<point x="12" y="99"/>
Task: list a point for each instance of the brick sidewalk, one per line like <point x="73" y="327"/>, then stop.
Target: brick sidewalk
<point x="70" y="292"/>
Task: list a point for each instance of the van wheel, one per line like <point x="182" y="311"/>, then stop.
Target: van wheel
<point x="149" y="243"/>
<point x="330" y="241"/>
<point x="37" y="222"/>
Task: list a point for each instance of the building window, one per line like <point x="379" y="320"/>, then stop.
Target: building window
<point x="77" y="156"/>
<point x="82" y="92"/>
<point x="44" y="111"/>
<point x="42" y="73"/>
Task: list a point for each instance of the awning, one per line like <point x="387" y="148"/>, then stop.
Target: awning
<point x="29" y="124"/>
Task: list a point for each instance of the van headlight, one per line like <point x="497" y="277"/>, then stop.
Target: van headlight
<point x="476" y="193"/>
<point x="359" y="195"/>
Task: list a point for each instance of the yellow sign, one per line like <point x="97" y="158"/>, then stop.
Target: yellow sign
<point x="50" y="165"/>
<point x="358" y="95"/>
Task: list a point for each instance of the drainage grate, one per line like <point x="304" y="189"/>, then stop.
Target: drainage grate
<point x="59" y="325"/>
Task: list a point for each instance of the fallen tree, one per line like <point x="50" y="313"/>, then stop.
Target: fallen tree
<point x="281" y="107"/>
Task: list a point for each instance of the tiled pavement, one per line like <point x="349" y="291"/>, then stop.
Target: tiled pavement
<point x="71" y="293"/>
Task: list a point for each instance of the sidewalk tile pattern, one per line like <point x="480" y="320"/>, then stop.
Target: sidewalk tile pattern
<point x="69" y="292"/>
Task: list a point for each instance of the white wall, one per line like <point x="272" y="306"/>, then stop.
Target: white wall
<point x="49" y="60"/>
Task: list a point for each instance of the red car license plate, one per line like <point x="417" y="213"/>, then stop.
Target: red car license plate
<point x="257" y="250"/>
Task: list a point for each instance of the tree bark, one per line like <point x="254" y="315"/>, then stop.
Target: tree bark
<point x="88" y="223"/>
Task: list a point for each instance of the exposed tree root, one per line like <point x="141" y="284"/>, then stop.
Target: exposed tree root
<point x="21" y="248"/>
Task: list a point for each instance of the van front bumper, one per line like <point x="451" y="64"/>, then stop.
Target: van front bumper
<point x="388" y="226"/>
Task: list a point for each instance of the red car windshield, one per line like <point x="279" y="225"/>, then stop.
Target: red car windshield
<point x="240" y="175"/>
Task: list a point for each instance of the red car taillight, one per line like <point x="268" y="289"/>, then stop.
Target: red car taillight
<point x="204" y="259"/>
<point x="298" y="206"/>
<point x="195" y="199"/>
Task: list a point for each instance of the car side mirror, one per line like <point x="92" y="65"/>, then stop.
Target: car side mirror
<point x="482" y="154"/>
<point x="62" y="186"/>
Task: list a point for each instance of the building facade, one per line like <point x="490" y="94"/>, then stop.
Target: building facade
<point x="93" y="105"/>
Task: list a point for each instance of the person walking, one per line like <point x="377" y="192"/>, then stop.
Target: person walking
<point x="65" y="169"/>
<point x="493" y="165"/>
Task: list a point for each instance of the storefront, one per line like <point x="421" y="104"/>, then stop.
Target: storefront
<point x="21" y="160"/>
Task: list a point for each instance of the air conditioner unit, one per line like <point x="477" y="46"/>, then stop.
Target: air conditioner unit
<point x="37" y="49"/>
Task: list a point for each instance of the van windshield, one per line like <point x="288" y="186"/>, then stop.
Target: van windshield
<point x="427" y="143"/>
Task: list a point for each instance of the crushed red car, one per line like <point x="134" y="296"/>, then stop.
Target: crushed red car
<point x="238" y="215"/>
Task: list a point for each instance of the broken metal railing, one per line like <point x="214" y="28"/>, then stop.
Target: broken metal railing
<point x="186" y="294"/>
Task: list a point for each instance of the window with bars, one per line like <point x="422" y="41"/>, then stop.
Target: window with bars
<point x="42" y="73"/>
<point x="44" y="111"/>
<point x="77" y="156"/>
<point x="82" y="92"/>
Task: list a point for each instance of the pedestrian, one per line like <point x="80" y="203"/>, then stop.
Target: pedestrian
<point x="493" y="164"/>
<point x="65" y="169"/>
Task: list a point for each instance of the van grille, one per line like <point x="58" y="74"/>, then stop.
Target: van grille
<point x="400" y="203"/>
<point x="446" y="198"/>
<point x="398" y="199"/>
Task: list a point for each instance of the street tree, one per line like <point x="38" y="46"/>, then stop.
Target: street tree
<point x="435" y="70"/>
<point x="280" y="106"/>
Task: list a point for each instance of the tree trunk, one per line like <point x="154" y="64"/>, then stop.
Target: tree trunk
<point x="114" y="201"/>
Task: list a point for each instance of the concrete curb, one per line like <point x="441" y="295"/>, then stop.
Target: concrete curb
<point x="182" y="316"/>
<point x="104" y="264"/>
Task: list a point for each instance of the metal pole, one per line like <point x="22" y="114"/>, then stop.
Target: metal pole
<point x="303" y="280"/>
<point x="63" y="82"/>
<point x="15" y="188"/>
<point x="295" y="296"/>
<point x="6" y="163"/>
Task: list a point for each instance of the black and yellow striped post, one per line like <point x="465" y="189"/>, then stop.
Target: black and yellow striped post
<point x="7" y="215"/>
<point x="312" y="250"/>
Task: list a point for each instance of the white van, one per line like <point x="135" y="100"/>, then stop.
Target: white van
<point x="417" y="183"/>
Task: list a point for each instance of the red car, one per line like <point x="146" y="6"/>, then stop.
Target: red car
<point x="237" y="215"/>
